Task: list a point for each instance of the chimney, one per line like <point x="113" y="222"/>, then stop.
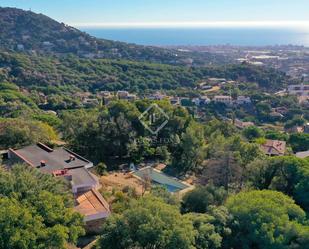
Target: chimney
<point x="72" y="158"/>
<point x="42" y="163"/>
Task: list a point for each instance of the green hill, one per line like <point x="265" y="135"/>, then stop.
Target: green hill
<point x="70" y="72"/>
<point x="27" y="31"/>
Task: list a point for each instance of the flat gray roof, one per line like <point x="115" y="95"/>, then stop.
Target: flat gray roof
<point x="55" y="159"/>
<point x="81" y="176"/>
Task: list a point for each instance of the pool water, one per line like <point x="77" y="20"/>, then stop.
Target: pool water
<point x="171" y="184"/>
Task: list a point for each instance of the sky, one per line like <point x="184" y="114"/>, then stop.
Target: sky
<point x="114" y="13"/>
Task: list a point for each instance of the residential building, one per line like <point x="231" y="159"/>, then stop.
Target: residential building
<point x="47" y="159"/>
<point x="242" y="125"/>
<point x="295" y="129"/>
<point x="223" y="99"/>
<point x="82" y="95"/>
<point x="47" y="44"/>
<point x="274" y="147"/>
<point x="131" y="97"/>
<point x="216" y="81"/>
<point x="122" y="94"/>
<point x="300" y="90"/>
<point x="303" y="154"/>
<point x="242" y="100"/>
<point x="157" y="96"/>
<point x="126" y="95"/>
<point x="282" y="110"/>
<point x="106" y="97"/>
<point x="81" y="179"/>
<point x="62" y="162"/>
<point x="90" y="102"/>
<point x="276" y="115"/>
<point x="175" y="100"/>
<point x="205" y="100"/>
<point x="94" y="207"/>
<point x="196" y="101"/>
<point x="303" y="100"/>
<point x="89" y="55"/>
<point x="206" y="87"/>
<point x="104" y="94"/>
<point x="25" y="37"/>
<point x="20" y="47"/>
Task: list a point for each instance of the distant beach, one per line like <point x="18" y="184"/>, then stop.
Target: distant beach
<point x="204" y="36"/>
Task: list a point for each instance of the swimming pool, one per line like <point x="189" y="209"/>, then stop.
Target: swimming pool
<point x="157" y="177"/>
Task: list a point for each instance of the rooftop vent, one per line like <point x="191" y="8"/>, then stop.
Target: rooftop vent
<point x="72" y="158"/>
<point x="42" y="163"/>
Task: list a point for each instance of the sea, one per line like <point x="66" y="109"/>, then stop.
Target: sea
<point x="204" y="36"/>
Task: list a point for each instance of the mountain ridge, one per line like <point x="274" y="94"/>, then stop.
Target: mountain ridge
<point x="26" y="31"/>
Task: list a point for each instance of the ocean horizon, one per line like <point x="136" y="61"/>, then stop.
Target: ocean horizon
<point x="204" y="36"/>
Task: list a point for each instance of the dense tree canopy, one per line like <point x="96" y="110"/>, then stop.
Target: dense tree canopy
<point x="266" y="220"/>
<point x="202" y="198"/>
<point x="58" y="90"/>
<point x="289" y="175"/>
<point x="16" y="133"/>
<point x="299" y="142"/>
<point x="51" y="73"/>
<point x="148" y="223"/>
<point x="36" y="211"/>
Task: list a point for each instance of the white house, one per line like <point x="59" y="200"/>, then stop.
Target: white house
<point x="223" y="99"/>
<point x="300" y="90"/>
<point x="241" y="100"/>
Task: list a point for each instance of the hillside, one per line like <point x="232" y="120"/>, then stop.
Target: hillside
<point x="39" y="52"/>
<point x="50" y="72"/>
<point x="27" y="31"/>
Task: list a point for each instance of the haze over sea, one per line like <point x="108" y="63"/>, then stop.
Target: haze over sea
<point x="204" y="36"/>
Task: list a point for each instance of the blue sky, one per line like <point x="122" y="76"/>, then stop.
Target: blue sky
<point x="165" y="12"/>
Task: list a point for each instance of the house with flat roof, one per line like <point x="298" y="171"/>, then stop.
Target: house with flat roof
<point x="300" y="90"/>
<point x="62" y="162"/>
<point x="242" y="100"/>
<point x="242" y="125"/>
<point x="47" y="159"/>
<point x="223" y="99"/>
<point x="157" y="96"/>
<point x="125" y="95"/>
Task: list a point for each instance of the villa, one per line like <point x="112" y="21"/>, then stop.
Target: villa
<point x="125" y="95"/>
<point x="300" y="90"/>
<point x="223" y="99"/>
<point x="274" y="147"/>
<point x="62" y="162"/>
<point x="242" y="100"/>
<point x="242" y="125"/>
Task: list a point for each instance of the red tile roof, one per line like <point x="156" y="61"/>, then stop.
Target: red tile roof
<point x="274" y="147"/>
